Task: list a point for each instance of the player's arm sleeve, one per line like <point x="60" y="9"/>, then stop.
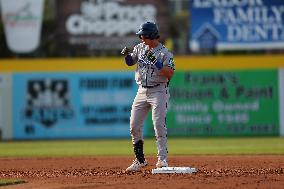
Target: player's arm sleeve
<point x="169" y="61"/>
<point x="131" y="59"/>
<point x="168" y="66"/>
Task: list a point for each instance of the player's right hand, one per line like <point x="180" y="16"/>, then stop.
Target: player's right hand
<point x="125" y="51"/>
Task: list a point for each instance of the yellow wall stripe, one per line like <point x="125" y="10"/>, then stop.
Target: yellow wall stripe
<point x="117" y="63"/>
<point x="230" y="62"/>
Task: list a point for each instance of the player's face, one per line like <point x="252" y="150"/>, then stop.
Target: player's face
<point x="145" y="40"/>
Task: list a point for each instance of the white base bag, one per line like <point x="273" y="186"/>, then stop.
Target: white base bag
<point x="174" y="170"/>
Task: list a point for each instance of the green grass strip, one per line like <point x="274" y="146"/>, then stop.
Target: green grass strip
<point x="5" y="182"/>
<point x="177" y="146"/>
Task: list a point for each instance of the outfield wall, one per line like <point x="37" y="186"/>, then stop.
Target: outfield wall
<point x="281" y="100"/>
<point x="5" y="106"/>
<point x="91" y="98"/>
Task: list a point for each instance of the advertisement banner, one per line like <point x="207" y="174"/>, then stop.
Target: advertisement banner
<point x="235" y="103"/>
<point x="236" y="25"/>
<point x="106" y="25"/>
<point x="22" y="24"/>
<point x="73" y="105"/>
<point x="281" y="100"/>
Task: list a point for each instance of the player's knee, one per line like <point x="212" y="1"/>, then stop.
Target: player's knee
<point x="161" y="133"/>
<point x="134" y="130"/>
<point x="134" y="124"/>
<point x="161" y="136"/>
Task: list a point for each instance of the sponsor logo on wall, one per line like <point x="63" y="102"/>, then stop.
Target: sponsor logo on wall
<point x="236" y="25"/>
<point x="47" y="102"/>
<point x="109" y="18"/>
<point x="107" y="24"/>
<point x="22" y="24"/>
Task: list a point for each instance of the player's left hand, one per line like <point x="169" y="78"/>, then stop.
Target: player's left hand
<point x="125" y="51"/>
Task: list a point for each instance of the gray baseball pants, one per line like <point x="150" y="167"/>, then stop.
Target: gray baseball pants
<point x="146" y="99"/>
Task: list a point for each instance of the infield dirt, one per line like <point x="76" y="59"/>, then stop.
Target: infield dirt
<point x="257" y="171"/>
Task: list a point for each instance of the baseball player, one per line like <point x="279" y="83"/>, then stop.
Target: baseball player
<point x="155" y="67"/>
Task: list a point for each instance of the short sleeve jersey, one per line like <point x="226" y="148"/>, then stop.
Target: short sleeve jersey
<point x="146" y="73"/>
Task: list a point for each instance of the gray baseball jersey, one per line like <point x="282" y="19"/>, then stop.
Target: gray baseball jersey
<point x="146" y="73"/>
<point x="152" y="94"/>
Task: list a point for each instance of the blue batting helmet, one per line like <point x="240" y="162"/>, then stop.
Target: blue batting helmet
<point x="148" y="29"/>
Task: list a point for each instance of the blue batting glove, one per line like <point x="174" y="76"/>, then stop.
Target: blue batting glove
<point x="159" y="64"/>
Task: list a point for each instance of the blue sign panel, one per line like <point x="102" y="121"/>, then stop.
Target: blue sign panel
<point x="236" y="25"/>
<point x="69" y="105"/>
